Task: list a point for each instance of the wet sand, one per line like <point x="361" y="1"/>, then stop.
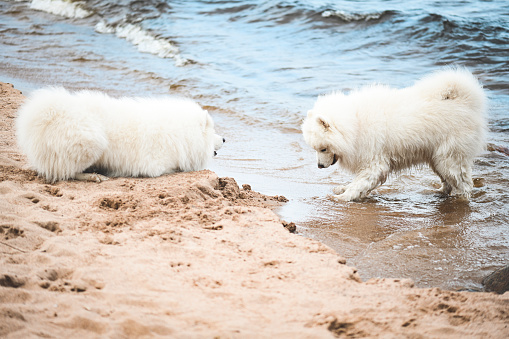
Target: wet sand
<point x="192" y="255"/>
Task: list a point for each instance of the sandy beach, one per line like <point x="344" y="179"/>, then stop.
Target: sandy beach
<point x="192" y="255"/>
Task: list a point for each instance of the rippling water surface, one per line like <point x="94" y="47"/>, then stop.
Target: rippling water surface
<point x="258" y="67"/>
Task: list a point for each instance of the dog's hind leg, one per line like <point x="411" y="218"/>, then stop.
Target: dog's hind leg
<point x="365" y="181"/>
<point x="61" y="145"/>
<point x="456" y="174"/>
<point x="464" y="183"/>
<point x="78" y="155"/>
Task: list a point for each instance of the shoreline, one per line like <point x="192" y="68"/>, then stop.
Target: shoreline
<point x="192" y="255"/>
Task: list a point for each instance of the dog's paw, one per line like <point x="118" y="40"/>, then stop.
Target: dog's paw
<point x="336" y="198"/>
<point x="93" y="177"/>
<point x="340" y="198"/>
<point x="445" y="189"/>
<point x="463" y="197"/>
<point x="99" y="177"/>
<point x="339" y="189"/>
<point x="347" y="196"/>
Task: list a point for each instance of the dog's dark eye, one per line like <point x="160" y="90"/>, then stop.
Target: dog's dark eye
<point x="323" y="150"/>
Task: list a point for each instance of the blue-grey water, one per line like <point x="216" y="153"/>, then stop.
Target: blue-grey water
<point x="258" y="66"/>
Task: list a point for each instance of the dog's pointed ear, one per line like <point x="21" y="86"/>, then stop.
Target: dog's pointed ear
<point x="321" y="121"/>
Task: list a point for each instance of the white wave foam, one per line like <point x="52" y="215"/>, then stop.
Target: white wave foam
<point x="144" y="40"/>
<point x="66" y="8"/>
<point x="349" y="17"/>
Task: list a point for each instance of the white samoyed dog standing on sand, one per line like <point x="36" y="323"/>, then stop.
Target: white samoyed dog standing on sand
<point x="376" y="130"/>
<point x="63" y="134"/>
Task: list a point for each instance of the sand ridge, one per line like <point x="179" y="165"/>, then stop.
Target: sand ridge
<point x="192" y="255"/>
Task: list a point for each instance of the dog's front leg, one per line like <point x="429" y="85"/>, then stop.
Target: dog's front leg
<point x="365" y="181"/>
<point x="354" y="193"/>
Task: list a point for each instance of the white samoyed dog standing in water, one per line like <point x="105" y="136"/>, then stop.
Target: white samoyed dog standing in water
<point x="63" y="134"/>
<point x="376" y="130"/>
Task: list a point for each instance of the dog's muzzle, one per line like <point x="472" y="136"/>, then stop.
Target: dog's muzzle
<point x="335" y="160"/>
<point x="215" y="152"/>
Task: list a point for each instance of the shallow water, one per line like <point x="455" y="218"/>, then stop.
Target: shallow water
<point x="258" y="67"/>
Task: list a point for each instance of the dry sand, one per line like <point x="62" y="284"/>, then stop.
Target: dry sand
<point x="191" y="255"/>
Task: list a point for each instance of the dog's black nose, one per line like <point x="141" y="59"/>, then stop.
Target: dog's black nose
<point x="215" y="153"/>
<point x="224" y="140"/>
<point x="321" y="166"/>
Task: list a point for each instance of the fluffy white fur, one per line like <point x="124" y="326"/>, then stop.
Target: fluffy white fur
<point x="376" y="130"/>
<point x="64" y="133"/>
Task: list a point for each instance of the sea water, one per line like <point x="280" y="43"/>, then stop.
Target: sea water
<point x="258" y="66"/>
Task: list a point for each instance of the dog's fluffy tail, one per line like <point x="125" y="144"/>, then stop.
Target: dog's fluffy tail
<point x="456" y="91"/>
<point x="456" y="84"/>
